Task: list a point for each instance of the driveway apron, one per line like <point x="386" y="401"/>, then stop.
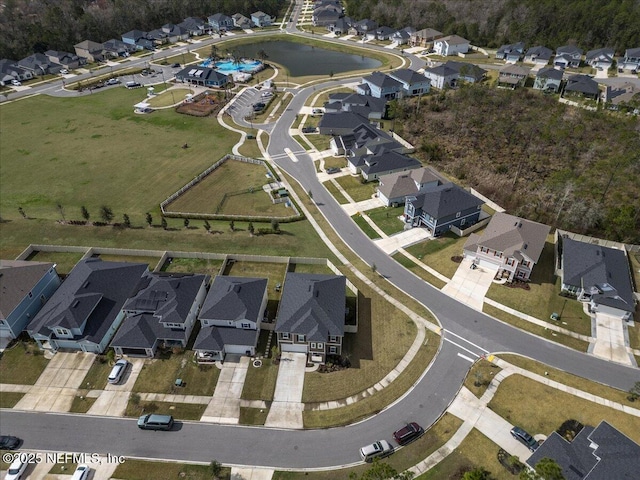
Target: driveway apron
<point x="610" y="343"/>
<point x="286" y="409"/>
<point x="224" y="406"/>
<point x="470" y="285"/>
<point x="113" y="400"/>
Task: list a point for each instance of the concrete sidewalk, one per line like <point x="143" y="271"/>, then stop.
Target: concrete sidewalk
<point x="224" y="406"/>
<point x="238" y="473"/>
<point x="287" y="406"/>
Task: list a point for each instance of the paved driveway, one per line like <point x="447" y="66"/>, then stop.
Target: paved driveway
<point x="392" y="244"/>
<point x="113" y="399"/>
<point x="470" y="285"/>
<point x="286" y="409"/>
<point x="225" y="403"/>
<point x="610" y="343"/>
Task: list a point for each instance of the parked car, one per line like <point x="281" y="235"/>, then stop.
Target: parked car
<point x="113" y="81"/>
<point x="155" y="422"/>
<point x="15" y="83"/>
<point x="16" y="469"/>
<point x="81" y="472"/>
<point x="8" y="442"/>
<point x="308" y="129"/>
<point x="332" y="170"/>
<point x="64" y="71"/>
<point x="267" y="94"/>
<point x="523" y="437"/>
<point x="258" y="107"/>
<point x="378" y="449"/>
<point x="133" y="85"/>
<point x="118" y="371"/>
<point x="317" y="111"/>
<point x="175" y="65"/>
<point x="408" y="433"/>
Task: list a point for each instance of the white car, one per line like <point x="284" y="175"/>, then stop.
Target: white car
<point x="15" y="83"/>
<point x="64" y="71"/>
<point x="378" y="449"/>
<point x="81" y="473"/>
<point x="118" y="371"/>
<point x="266" y="94"/>
<point x="16" y="470"/>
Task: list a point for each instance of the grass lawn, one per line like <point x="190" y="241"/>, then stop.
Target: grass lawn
<point x="142" y="470"/>
<point x="159" y="376"/>
<point x="310" y="268"/>
<point x="417" y="270"/>
<point x="480" y="376"/>
<point x="250" y="149"/>
<point x="634" y="258"/>
<point x="337" y="194"/>
<point x="323" y="98"/>
<point x="387" y="219"/>
<point x="368" y="230"/>
<point x="181" y="411"/>
<point x="182" y="59"/>
<point x="544" y="298"/>
<point x="96" y="377"/>
<point x="193" y="265"/>
<point x="337" y="162"/>
<point x="356" y="189"/>
<point x="253" y="416"/>
<point x="518" y="322"/>
<point x="81" y="405"/>
<point x="402" y="459"/>
<point x="151" y="261"/>
<point x="634" y="333"/>
<point x="437" y="253"/>
<point x="224" y="191"/>
<point x="274" y="272"/>
<point x="64" y="261"/>
<point x="260" y="383"/>
<point x="476" y="450"/>
<point x="9" y="399"/>
<point x="168" y="98"/>
<point x="22" y="364"/>
<point x="63" y="468"/>
<point x="320" y="142"/>
<point x="526" y="403"/>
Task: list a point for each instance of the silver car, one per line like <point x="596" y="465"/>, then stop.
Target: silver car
<point x="378" y="449"/>
<point x="118" y="371"/>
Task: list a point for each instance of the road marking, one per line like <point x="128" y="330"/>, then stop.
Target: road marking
<point x="469" y="342"/>
<point x="462" y="348"/>
<point x="466" y="358"/>
<point x="291" y="155"/>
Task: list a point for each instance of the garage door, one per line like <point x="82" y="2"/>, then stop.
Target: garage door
<point x="293" y="347"/>
<point x="488" y="265"/>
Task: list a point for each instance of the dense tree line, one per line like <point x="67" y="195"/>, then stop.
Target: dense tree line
<point x="553" y="23"/>
<point x="540" y="159"/>
<point x="28" y="26"/>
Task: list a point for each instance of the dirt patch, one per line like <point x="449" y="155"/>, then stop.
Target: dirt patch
<point x="202" y="105"/>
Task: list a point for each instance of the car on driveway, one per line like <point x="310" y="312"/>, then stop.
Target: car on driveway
<point x="526" y="439"/>
<point x="81" y="473"/>
<point x="15" y="83"/>
<point x="8" y="442"/>
<point x="379" y="449"/>
<point x="317" y="111"/>
<point x="118" y="371"/>
<point x="332" y="170"/>
<point x="64" y="71"/>
<point x="408" y="433"/>
<point x="16" y="469"/>
<point x="308" y="129"/>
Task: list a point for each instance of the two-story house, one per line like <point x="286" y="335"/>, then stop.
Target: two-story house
<point x="379" y="85"/>
<point x="451" y="45"/>
<point x="538" y="55"/>
<point x="241" y="21"/>
<point x="230" y="317"/>
<point x="220" y="22"/>
<point x="512" y="76"/>
<point x="66" y="59"/>
<point x="196" y="26"/>
<point x="600" y="58"/>
<point x="402" y="36"/>
<point x="162" y="312"/>
<point x="311" y="315"/>
<point x="10" y="70"/>
<point x="568" y="56"/>
<point x="510" y="245"/>
<point x="582" y="85"/>
<point x="365" y="105"/>
<point x="548" y="80"/>
<point x="442" y="207"/>
<point x="412" y="82"/>
<point x="511" y="53"/>
<point x="631" y="59"/>
<point x="86" y="310"/>
<point x="393" y="189"/>
<point x="92" y="51"/>
<point x="261" y="19"/>
<point x="24" y="288"/>
<point x="39" y="64"/>
<point x="424" y="38"/>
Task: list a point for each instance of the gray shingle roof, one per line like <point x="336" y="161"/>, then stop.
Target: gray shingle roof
<point x="408" y="76"/>
<point x="587" y="265"/>
<point x="312" y="305"/>
<point x="143" y="331"/>
<point x="593" y="54"/>
<point x="540" y="52"/>
<point x="551" y="73"/>
<point x="386" y="161"/>
<point x="234" y="298"/>
<point x="582" y="84"/>
<point x="17" y="279"/>
<point x="213" y="339"/>
<point x="442" y="71"/>
<point x="467" y="69"/>
<point x="381" y="80"/>
<point x="445" y="200"/>
<point x="341" y="120"/>
<point x="569" y="50"/>
<point x="632" y="52"/>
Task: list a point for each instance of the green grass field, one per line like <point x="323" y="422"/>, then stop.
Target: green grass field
<point x="168" y="98"/>
<point x="22" y="364"/>
<point x="437" y="253"/>
<point x="387" y="219"/>
<point x="357" y="190"/>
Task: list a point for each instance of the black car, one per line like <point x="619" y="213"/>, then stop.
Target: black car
<point x="332" y="170"/>
<point x="175" y="65"/>
<point x="258" y="107"/>
<point x="7" y="442"/>
<point x="308" y="129"/>
<point x="523" y="437"/>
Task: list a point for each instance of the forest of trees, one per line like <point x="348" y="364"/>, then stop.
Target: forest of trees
<point x="540" y="159"/>
<point x="552" y="23"/>
<point x="28" y="26"/>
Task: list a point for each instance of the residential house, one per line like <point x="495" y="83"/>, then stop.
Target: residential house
<point x="365" y="105"/>
<point x="424" y="38"/>
<point x="340" y="26"/>
<point x="24" y="288"/>
<point x="631" y="60"/>
<point x="326" y="15"/>
<point x="412" y="82"/>
<point x="261" y="19"/>
<point x="138" y="39"/>
<point x="311" y="315"/>
<point x="582" y="85"/>
<point x="626" y="95"/>
<point x="402" y="36"/>
<point x="364" y="140"/>
<point x="510" y="245"/>
<point x="451" y="45"/>
<point x="600" y="58"/>
<point x="92" y="51"/>
<point x="230" y="317"/>
<point x="196" y="26"/>
<point x="241" y="21"/>
<point x="548" y="80"/>
<point x="568" y="56"/>
<point x="382" y="161"/>
<point x="381" y="33"/>
<point x="467" y="72"/>
<point x="512" y="76"/>
<point x="442" y="76"/>
<point x="538" y="55"/>
<point x="203" y="76"/>
<point x="362" y="27"/>
<point x="9" y="71"/>
<point x="162" y="313"/>
<point x="341" y="123"/>
<point x="39" y="64"/>
<point x="393" y="189"/>
<point x="511" y="53"/>
<point x="175" y="33"/>
<point x="66" y="59"/>
<point x="442" y="207"/>
<point x="220" y="22"/>
<point x="117" y="48"/>
<point x="599" y="276"/>
<point x="600" y="453"/>
<point x="86" y="310"/>
<point x="158" y="37"/>
<point x="379" y="85"/>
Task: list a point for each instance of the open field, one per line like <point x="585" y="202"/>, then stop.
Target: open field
<point x="168" y="98"/>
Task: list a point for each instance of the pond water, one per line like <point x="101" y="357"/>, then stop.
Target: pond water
<point x="302" y="60"/>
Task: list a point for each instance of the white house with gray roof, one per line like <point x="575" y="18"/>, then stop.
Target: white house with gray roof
<point x="451" y="45"/>
<point x="599" y="276"/>
<point x="86" y="310"/>
<point x="161" y="313"/>
<point x="230" y="317"/>
<point x="311" y="315"/>
<point x="510" y="245"/>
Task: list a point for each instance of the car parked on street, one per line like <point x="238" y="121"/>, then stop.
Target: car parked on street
<point x="118" y="370"/>
<point x="408" y="433"/>
<point x="379" y="449"/>
<point x="526" y="439"/>
<point x="175" y="65"/>
<point x="8" y="442"/>
<point x="16" y="469"/>
<point x="155" y="422"/>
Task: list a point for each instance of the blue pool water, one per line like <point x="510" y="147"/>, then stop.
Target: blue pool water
<point x="228" y="66"/>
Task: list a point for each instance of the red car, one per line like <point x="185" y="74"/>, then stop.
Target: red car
<point x="408" y="433"/>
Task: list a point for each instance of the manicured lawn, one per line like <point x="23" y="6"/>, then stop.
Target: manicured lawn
<point x="260" y="383"/>
<point x="634" y="258"/>
<point x="320" y="142"/>
<point x="182" y="59"/>
<point x="417" y="270"/>
<point x="310" y="268"/>
<point x="253" y="416"/>
<point x="64" y="261"/>
<point x="274" y="272"/>
<point x="193" y="265"/>
<point x="324" y="96"/>
<point x="387" y="219"/>
<point x="159" y="376"/>
<point x="22" y="364"/>
<point x="544" y="298"/>
<point x="181" y="411"/>
<point x="634" y="334"/>
<point x="81" y="405"/>
<point x="168" y="98"/>
<point x="96" y="377"/>
<point x="437" y="253"/>
<point x="9" y="399"/>
<point x="368" y="230"/>
<point x="357" y="190"/>
<point x="63" y="468"/>
<point x="337" y="194"/>
<point x="481" y="374"/>
<point x="142" y="470"/>
<point x="250" y="148"/>
<point x="224" y="191"/>
<point x="338" y="162"/>
<point x="518" y="322"/>
<point x="526" y="403"/>
<point x="151" y="261"/>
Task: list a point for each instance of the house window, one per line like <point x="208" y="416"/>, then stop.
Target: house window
<point x="333" y="350"/>
<point x="462" y="222"/>
<point x="458" y="215"/>
<point x="320" y="346"/>
<point x="333" y="339"/>
<point x="245" y="325"/>
<point x="300" y="338"/>
<point x="30" y="295"/>
<point x="284" y="336"/>
<point x="313" y="345"/>
<point x="61" y="332"/>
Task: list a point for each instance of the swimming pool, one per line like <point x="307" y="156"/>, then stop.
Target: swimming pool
<point x="229" y="66"/>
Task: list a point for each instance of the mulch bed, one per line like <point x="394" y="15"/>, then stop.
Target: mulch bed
<point x="518" y="284"/>
<point x="569" y="429"/>
<point x="457" y="259"/>
<point x="202" y="105"/>
<point x="507" y="461"/>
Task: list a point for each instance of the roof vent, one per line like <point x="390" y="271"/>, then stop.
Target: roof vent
<point x="526" y="245"/>
<point x="75" y="304"/>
